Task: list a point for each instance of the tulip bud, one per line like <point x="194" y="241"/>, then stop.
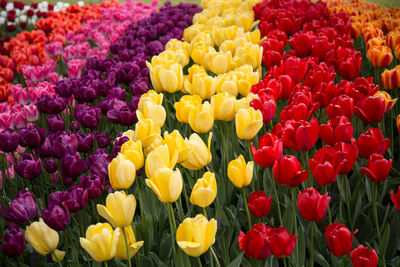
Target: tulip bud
<point x="391" y="78"/>
<point x="204" y="191"/>
<point x="166" y="75"/>
<point x="288" y="171"/>
<point x="378" y="168"/>
<point x="199" y="155"/>
<point x="166" y="184"/>
<point x="254" y="243"/>
<point x="9" y="140"/>
<point x="55" y="122"/>
<point x="119" y="209"/>
<point x="259" y="205"/>
<point x="28" y="167"/>
<point x="201" y="119"/>
<point x="201" y="84"/>
<point x="248" y="122"/>
<point x="218" y="62"/>
<point x="311" y="205"/>
<point x="50" y="165"/>
<point x="339" y="239"/>
<point x="223" y="105"/>
<point x="186" y="104"/>
<point x="239" y="172"/>
<point x="133" y="151"/>
<point x="13" y="242"/>
<point x="22" y="209"/>
<point x="363" y="256"/>
<point x="176" y="144"/>
<point x="281" y="242"/>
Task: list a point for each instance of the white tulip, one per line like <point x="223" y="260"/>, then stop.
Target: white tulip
<point x="3" y="14"/>
<point x="2" y="20"/>
<point x="9" y="6"/>
<point x="81" y="3"/>
<point x="23" y="18"/>
<point x="17" y="12"/>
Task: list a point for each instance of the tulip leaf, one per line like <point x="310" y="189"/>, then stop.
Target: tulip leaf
<point x="384" y="241"/>
<point x="393" y="238"/>
<point x="237" y="261"/>
<point x="320" y="259"/>
<point x="157" y="260"/>
<point x="301" y="247"/>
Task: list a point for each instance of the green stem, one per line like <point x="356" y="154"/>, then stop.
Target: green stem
<point x="80" y="224"/>
<point x="171" y="225"/>
<point x="205" y="212"/>
<point x="374" y="192"/>
<point x="140" y="197"/>
<point x="295" y="218"/>
<point x="312" y="244"/>
<point x="215" y="257"/>
<point x="343" y="261"/>
<point x="58" y="260"/>
<point x="105" y="264"/>
<point x="284" y="262"/>
<point x="199" y="262"/>
<point x="127" y="248"/>
<point x="73" y="247"/>
<point x="325" y="188"/>
<point x="276" y="196"/>
<point x="247" y="208"/>
<point x="173" y="216"/>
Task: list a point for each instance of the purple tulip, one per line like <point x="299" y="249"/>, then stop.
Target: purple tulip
<point x="94" y="185"/>
<point x="28" y="167"/>
<point x="72" y="165"/>
<point x="9" y="140"/>
<point x="63" y="88"/>
<point x="85" y="142"/>
<point x="31" y="137"/>
<point x="63" y="143"/>
<point x="13" y="241"/>
<point x="98" y="162"/>
<point x="50" y="165"/>
<point x="56" y="217"/>
<point x="84" y="94"/>
<point x="74" y="126"/>
<point x="116" y="92"/>
<point x="47" y="104"/>
<point x="55" y="122"/>
<point x="102" y="139"/>
<point x="117" y="145"/>
<point x="121" y="114"/>
<point x="88" y="116"/>
<point x="80" y="197"/>
<point x="22" y="209"/>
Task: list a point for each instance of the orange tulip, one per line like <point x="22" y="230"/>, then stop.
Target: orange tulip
<point x="389" y="102"/>
<point x="391" y="78"/>
<point x="380" y="56"/>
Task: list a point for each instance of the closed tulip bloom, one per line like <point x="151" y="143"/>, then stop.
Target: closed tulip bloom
<point x="338" y="129"/>
<point x="22" y="209"/>
<point x="227" y="83"/>
<point x="119" y="209"/>
<point x="239" y="172"/>
<point x="101" y="241"/>
<point x="13" y="243"/>
<point x="56" y="216"/>
<point x="259" y="204"/>
<point x="380" y="56"/>
<point x="132" y="244"/>
<point x="166" y="184"/>
<point x="201" y="119"/>
<point x="150" y="96"/>
<point x="223" y="105"/>
<point x="195" y="235"/>
<point x="288" y="171"/>
<point x="248" y="53"/>
<point x="200" y="154"/>
<point x="204" y="191"/>
<point x="370" y="109"/>
<point x="312" y="205"/>
<point x="270" y="150"/>
<point x="121" y="172"/>
<point x="133" y="151"/>
<point x="159" y="158"/>
<point x="339" y="239"/>
<point x="391" y="78"/>
<point x="154" y="112"/>
<point x="176" y="144"/>
<point x="43" y="239"/>
<point x="146" y="131"/>
<point x="186" y="104"/>
<point x="372" y="141"/>
<point x="342" y="105"/>
<point x="364" y="257"/>
<point x="378" y="168"/>
<point x="166" y="76"/>
<point x="281" y="242"/>
<point x="202" y="84"/>
<point x="248" y="122"/>
<point x="326" y="165"/>
<point x="218" y="62"/>
<point x="9" y="140"/>
<point x="349" y="152"/>
<point x="254" y="243"/>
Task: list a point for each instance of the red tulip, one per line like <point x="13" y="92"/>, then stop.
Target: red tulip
<point x="370" y="109"/>
<point x="287" y="86"/>
<point x="348" y="62"/>
<point x="338" y="129"/>
<point x="339" y="239"/>
<point x="349" y="153"/>
<point x="254" y="243"/>
<point x="341" y="105"/>
<point x="272" y="52"/>
<point x="396" y="198"/>
<point x="301" y="105"/>
<point x="362" y="88"/>
<point x="288" y="171"/>
<point x="326" y="165"/>
<point x="301" y="42"/>
<point x="321" y="46"/>
<point x="259" y="205"/>
<point x="270" y="150"/>
<point x="267" y="108"/>
<point x="318" y="74"/>
<point x="267" y="89"/>
<point x="312" y="205"/>
<point x="372" y="142"/>
<point x="378" y="168"/>
<point x="364" y="257"/>
<point x="278" y="35"/>
<point x="295" y="67"/>
<point x="281" y="242"/>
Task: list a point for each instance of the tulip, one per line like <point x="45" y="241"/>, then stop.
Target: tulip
<point x="154" y="112"/>
<point x="186" y="104"/>
<point x="133" y="152"/>
<point x="341" y="105"/>
<point x="31" y="137"/>
<point x="288" y="171"/>
<point x="364" y="257"/>
<point x="195" y="235"/>
<point x="101" y="241"/>
<point x="201" y="119"/>
<point x="146" y="131"/>
<point x="248" y="53"/>
<point x="22" y="209"/>
<point x="159" y="158"/>
<point x="150" y="96"/>
<point x="372" y="141"/>
<point x="311" y="205"/>
<point x="348" y="62"/>
<point x="121" y="172"/>
<point x="102" y="139"/>
<point x="301" y="42"/>
<point x="44" y="240"/>
<point x="254" y="243"/>
<point x="326" y="165"/>
<point x="28" y="167"/>
<point x="201" y="84"/>
<point x="378" y="168"/>
<point x="218" y="62"/>
<point x="239" y="172"/>
<point x="166" y="75"/>
<point x="281" y="242"/>
<point x="176" y="144"/>
<point x="259" y="205"/>
<point x="204" y="191"/>
<point x="248" y="122"/>
<point x="223" y="105"/>
<point x="391" y="78"/>
<point x="9" y="140"/>
<point x="199" y="155"/>
<point x="269" y="151"/>
<point x="338" y="129"/>
<point x="380" y="56"/>
<point x="349" y="152"/>
<point x="79" y="198"/>
<point x="13" y="243"/>
<point x="55" y="122"/>
<point x="131" y="241"/>
<point x="56" y="216"/>
<point x="93" y="183"/>
<point x="85" y="142"/>
<point x="267" y="108"/>
<point x="339" y="239"/>
<point x="166" y="184"/>
<point x="389" y="102"/>
<point x="72" y="165"/>
<point x="370" y="109"/>
<point x="119" y="209"/>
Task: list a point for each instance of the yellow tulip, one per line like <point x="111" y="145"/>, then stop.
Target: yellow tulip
<point x="203" y="37"/>
<point x="227" y="82"/>
<point x="132" y="244"/>
<point x="192" y="31"/>
<point x="101" y="241"/>
<point x="218" y="62"/>
<point x="154" y="112"/>
<point x="223" y="105"/>
<point x="166" y="184"/>
<point x="130" y="134"/>
<point x="248" y="53"/>
<point x="195" y="235"/>
<point x="176" y="144"/>
<point x="239" y="172"/>
<point x="199" y="155"/>
<point x="166" y="76"/>
<point x="150" y="96"/>
<point x="246" y="78"/>
<point x="199" y="50"/>
<point x="186" y="104"/>
<point x="121" y="172"/>
<point x="248" y="122"/>
<point x="201" y="119"/>
<point x="175" y="44"/>
<point x="245" y="101"/>
<point x="204" y="191"/>
<point x="228" y="46"/>
<point x="202" y="85"/>
<point x="220" y="35"/>
<point x="146" y="131"/>
<point x="245" y="20"/>
<point x="159" y="158"/>
<point x="187" y="83"/>
<point x="133" y="151"/>
<point x="119" y="209"/>
<point x="179" y="55"/>
<point x="44" y="240"/>
<point x="158" y="140"/>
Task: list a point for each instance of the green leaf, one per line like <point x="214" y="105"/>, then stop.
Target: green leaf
<point x="384" y="241"/>
<point x="320" y="259"/>
<point x="301" y="246"/>
<point x="237" y="261"/>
